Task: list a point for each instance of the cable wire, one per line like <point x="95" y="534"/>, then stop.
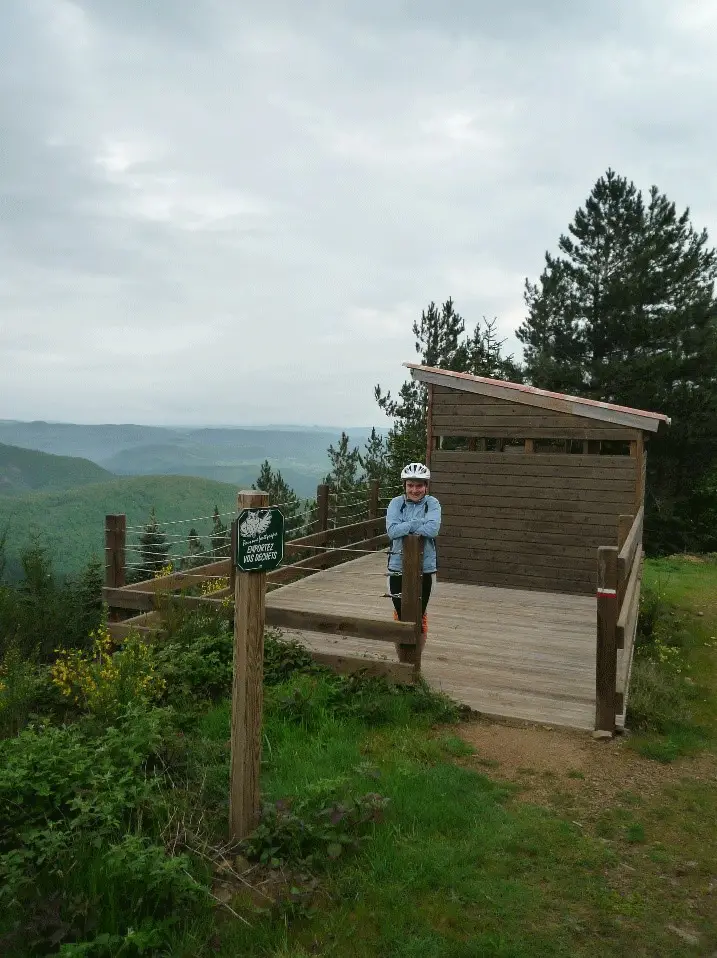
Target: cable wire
<point x="177" y="522"/>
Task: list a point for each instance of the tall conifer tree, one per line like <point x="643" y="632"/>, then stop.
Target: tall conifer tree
<point x="626" y="313"/>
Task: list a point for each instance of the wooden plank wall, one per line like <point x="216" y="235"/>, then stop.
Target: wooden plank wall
<point x="531" y="520"/>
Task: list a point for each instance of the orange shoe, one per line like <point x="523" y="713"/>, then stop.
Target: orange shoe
<point x="395" y="616"/>
<point x="424" y="625"/>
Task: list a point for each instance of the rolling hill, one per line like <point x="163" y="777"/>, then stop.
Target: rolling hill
<point x="25" y="470"/>
<point x="71" y="522"/>
<point x="225" y="454"/>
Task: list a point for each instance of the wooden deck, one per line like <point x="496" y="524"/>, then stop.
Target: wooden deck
<point x="504" y="652"/>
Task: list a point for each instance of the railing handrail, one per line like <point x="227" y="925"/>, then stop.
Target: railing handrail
<point x="630" y="548"/>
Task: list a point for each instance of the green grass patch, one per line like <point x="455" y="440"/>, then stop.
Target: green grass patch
<point x="673" y="693"/>
<point x="380" y="834"/>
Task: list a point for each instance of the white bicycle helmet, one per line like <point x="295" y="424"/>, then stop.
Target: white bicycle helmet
<point x="416" y="470"/>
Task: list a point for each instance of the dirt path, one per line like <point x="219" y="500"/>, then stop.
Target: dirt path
<point x="542" y="759"/>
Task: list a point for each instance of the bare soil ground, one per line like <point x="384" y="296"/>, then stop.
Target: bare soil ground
<point x="542" y="759"/>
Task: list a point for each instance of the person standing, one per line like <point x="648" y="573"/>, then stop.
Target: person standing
<point x="413" y="513"/>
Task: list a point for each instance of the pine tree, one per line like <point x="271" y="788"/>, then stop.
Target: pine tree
<point x="374" y="459"/>
<point x="627" y="314"/>
<point x="345" y="481"/>
<point x="440" y="341"/>
<point x="153" y="547"/>
<point x="295" y="510"/>
<point x="220" y="537"/>
<point x="195" y="550"/>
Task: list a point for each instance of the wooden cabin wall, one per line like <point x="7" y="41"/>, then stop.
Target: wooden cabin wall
<point x="528" y="520"/>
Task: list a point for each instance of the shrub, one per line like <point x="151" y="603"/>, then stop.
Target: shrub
<point x="67" y="794"/>
<point x="301" y="833"/>
<point x="21" y="686"/>
<point x="104" y="682"/>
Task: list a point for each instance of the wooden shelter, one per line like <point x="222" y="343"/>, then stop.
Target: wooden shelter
<point x="531" y="482"/>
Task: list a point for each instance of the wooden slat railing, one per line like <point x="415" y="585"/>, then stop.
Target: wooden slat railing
<point x="618" y="607"/>
<point x="147" y="599"/>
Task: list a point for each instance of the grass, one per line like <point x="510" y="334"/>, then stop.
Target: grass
<point x="459" y="867"/>
<point x="452" y="861"/>
<point x="673" y="697"/>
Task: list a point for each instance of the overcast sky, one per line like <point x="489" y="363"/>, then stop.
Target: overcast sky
<point x="214" y="211"/>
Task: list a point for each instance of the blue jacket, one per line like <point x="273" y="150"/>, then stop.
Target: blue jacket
<point x="404" y="518"/>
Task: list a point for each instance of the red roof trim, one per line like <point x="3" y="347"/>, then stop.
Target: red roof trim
<point x="533" y="390"/>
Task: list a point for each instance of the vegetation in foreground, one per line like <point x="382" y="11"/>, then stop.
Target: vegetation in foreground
<point x="381" y="832"/>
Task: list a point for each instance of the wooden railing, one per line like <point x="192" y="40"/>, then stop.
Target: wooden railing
<point x="618" y="604"/>
<point x="148" y="598"/>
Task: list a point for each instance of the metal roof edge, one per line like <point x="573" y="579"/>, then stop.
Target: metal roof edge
<point x="532" y="396"/>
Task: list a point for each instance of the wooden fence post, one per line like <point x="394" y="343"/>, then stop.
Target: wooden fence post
<point x="606" y="651"/>
<point x="322" y="502"/>
<point x="248" y="689"/>
<point x="232" y="565"/>
<point x="373" y="494"/>
<point x="624" y="524"/>
<point x="411" y="596"/>
<point x="115" y="543"/>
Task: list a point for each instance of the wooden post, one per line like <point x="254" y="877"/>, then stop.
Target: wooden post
<point x="624" y="524"/>
<point x="115" y="543"/>
<point x="248" y="689"/>
<point x="373" y="494"/>
<point x="411" y="596"/>
<point x="429" y="426"/>
<point x="322" y="502"/>
<point x="606" y="652"/>
<point x="530" y="445"/>
<point x="232" y="565"/>
<point x="637" y="452"/>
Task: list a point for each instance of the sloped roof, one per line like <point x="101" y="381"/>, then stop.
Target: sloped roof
<point x="531" y="396"/>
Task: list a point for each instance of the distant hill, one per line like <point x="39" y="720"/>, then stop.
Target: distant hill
<point x="224" y="454"/>
<point x="71" y="439"/>
<point x="71" y="522"/>
<point x="25" y="470"/>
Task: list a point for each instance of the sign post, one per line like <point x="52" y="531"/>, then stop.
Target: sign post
<point x="259" y="547"/>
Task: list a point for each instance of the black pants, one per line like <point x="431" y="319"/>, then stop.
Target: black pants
<point x="394" y="583"/>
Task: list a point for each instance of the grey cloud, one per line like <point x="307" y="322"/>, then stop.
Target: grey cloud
<point x="295" y="182"/>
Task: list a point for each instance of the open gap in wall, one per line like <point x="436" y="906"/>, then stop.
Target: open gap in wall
<point x="615" y="447"/>
<point x="576" y="447"/>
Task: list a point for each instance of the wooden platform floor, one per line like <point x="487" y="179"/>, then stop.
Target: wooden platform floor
<point x="503" y="652"/>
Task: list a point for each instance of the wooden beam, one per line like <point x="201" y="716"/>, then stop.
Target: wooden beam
<point x="322" y="505"/>
<point x="347" y="625"/>
<point x="181" y="580"/>
<point x="247" y="690"/>
<point x="629" y="549"/>
<point x="148" y="623"/>
<point x="606" y="651"/>
<point x="321" y="538"/>
<point x="115" y="542"/>
<point x="394" y="672"/>
<point x="411" y="594"/>
<point x="429" y="425"/>
<point x="144" y="601"/>
<point x="374" y="492"/>
<point x="637" y="452"/>
<point x="629" y="607"/>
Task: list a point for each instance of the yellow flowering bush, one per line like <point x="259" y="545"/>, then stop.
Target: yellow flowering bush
<point x="165" y="570"/>
<point x="106" y="680"/>
<point x="210" y="586"/>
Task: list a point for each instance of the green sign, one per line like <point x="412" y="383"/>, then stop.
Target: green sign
<point x="260" y="539"/>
